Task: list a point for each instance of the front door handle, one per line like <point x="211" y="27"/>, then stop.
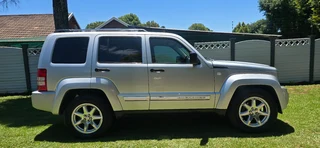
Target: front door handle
<point x="156" y="70"/>
<point x="102" y="69"/>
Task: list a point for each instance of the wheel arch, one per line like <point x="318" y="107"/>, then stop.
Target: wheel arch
<point x="236" y="83"/>
<point x="267" y="88"/>
<point x="73" y="93"/>
<point x="67" y="88"/>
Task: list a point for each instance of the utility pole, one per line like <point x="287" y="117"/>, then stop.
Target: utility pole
<point x="232" y="27"/>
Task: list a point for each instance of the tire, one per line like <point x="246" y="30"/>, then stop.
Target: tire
<point x="89" y="123"/>
<point x="242" y="110"/>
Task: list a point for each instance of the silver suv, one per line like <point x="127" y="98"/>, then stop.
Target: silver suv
<point x="94" y="77"/>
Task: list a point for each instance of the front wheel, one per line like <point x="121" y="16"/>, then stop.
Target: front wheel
<point x="252" y="110"/>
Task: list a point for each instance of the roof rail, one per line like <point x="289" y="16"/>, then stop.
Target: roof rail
<point x="101" y="30"/>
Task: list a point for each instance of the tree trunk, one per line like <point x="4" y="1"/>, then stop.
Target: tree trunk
<point x="60" y="14"/>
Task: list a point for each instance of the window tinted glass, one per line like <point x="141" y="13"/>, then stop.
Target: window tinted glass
<point x="70" y="50"/>
<point x="120" y="50"/>
<point x="169" y="51"/>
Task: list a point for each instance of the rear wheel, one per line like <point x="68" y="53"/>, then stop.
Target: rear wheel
<point x="252" y="110"/>
<point x="88" y="116"/>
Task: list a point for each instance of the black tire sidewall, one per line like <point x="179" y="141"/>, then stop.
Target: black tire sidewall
<point x="103" y="106"/>
<point x="233" y="111"/>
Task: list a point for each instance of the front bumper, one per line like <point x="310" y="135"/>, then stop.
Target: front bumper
<point x="285" y="99"/>
<point x="42" y="100"/>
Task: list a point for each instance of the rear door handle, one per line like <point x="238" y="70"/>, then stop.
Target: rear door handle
<point x="102" y="69"/>
<point x="156" y="70"/>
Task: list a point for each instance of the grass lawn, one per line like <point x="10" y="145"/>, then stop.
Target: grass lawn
<point x="299" y="126"/>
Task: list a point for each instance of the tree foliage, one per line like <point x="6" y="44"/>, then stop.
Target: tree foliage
<point x="150" y="24"/>
<point x="131" y="19"/>
<point x="291" y="18"/>
<point x="259" y="26"/>
<point x="94" y="25"/>
<point x="6" y="3"/>
<point x="199" y="26"/>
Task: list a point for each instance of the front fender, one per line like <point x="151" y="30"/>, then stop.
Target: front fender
<point x="233" y="82"/>
<point x="86" y="83"/>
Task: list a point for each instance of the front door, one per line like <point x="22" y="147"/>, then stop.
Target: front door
<point x="122" y="61"/>
<point x="174" y="83"/>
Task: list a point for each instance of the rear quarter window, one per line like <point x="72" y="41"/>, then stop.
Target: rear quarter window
<point x="71" y="50"/>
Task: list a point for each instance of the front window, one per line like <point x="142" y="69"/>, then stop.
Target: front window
<point x="168" y="51"/>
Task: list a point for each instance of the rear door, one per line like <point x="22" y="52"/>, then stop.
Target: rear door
<point x="122" y="60"/>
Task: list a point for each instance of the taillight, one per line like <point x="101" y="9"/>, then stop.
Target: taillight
<point x="42" y="80"/>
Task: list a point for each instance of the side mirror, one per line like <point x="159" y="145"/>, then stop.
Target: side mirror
<point x="194" y="59"/>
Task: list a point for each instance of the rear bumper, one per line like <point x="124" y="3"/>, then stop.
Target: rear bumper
<point x="42" y="100"/>
<point x="285" y="99"/>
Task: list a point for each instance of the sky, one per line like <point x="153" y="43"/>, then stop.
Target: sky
<point x="179" y="14"/>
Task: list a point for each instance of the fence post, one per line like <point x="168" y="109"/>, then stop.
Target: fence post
<point x="232" y="48"/>
<point x="26" y="66"/>
<point x="272" y="51"/>
<point x="312" y="52"/>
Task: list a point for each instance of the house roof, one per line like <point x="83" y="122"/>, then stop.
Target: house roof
<point x="27" y="25"/>
<point x="113" y="19"/>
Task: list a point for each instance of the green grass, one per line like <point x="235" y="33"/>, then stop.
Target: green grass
<point x="299" y="126"/>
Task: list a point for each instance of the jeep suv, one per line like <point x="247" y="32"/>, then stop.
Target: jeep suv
<point x="93" y="77"/>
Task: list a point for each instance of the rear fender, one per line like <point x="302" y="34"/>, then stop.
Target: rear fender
<point x="86" y="83"/>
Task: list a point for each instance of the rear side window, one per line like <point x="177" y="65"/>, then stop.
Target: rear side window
<point x="71" y="50"/>
<point x="120" y="50"/>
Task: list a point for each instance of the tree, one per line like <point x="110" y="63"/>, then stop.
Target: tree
<point x="291" y="18"/>
<point x="60" y="14"/>
<point x="259" y="26"/>
<point x="94" y="25"/>
<point x="131" y="19"/>
<point x="315" y="16"/>
<point x="150" y="24"/>
<point x="242" y="28"/>
<point x="6" y="3"/>
<point x="198" y="26"/>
